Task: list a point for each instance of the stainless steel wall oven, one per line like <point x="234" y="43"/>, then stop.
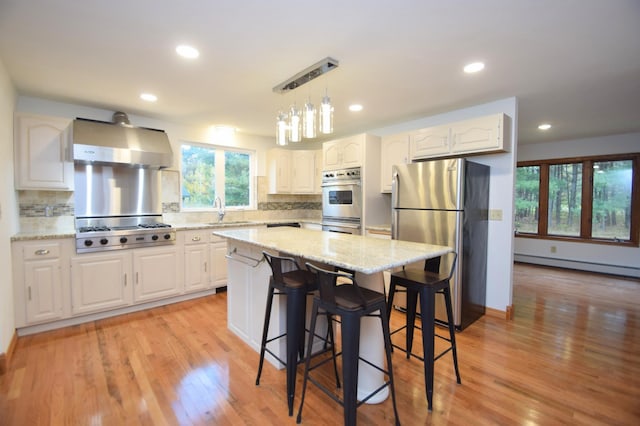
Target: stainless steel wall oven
<point x="342" y="201"/>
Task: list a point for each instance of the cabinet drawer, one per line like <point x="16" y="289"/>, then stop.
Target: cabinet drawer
<point x="216" y="239"/>
<point x="199" y="236"/>
<point x="41" y="251"/>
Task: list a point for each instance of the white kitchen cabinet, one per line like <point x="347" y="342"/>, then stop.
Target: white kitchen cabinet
<point x="343" y="153"/>
<point x="157" y="273"/>
<point x="101" y="281"/>
<point x="43" y="153"/>
<point x="303" y="166"/>
<point x="40" y="280"/>
<point x="196" y="260"/>
<point x="292" y="171"/>
<point x="394" y="150"/>
<point x="430" y="142"/>
<point x="218" y="261"/>
<point x="478" y="135"/>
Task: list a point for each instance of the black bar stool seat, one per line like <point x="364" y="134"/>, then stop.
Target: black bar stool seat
<point x="350" y="302"/>
<point x="295" y="284"/>
<point x="425" y="284"/>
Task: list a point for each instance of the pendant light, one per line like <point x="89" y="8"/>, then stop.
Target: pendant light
<point x="295" y="124"/>
<point x="309" y="122"/>
<point x="281" y="129"/>
<point x="326" y="115"/>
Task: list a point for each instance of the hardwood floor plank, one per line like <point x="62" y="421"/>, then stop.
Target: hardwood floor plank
<point x="571" y="355"/>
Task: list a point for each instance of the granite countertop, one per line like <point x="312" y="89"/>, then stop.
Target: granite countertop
<point x="354" y="252"/>
<point x="69" y="232"/>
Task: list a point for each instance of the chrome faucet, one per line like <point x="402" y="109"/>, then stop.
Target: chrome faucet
<point x="218" y="203"/>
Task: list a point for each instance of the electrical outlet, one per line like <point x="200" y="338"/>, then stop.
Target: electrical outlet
<point x="553" y="249"/>
<point x="495" y="214"/>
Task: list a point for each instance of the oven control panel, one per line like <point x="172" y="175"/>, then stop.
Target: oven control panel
<point x="343" y="174"/>
<point x="113" y="240"/>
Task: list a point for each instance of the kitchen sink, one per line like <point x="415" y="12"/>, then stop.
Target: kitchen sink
<point x="235" y="222"/>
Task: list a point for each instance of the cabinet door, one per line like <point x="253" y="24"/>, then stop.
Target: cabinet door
<point x="478" y="135"/>
<point x="196" y="267"/>
<point x="331" y="155"/>
<point x="218" y="262"/>
<point x="394" y="150"/>
<point x="100" y="282"/>
<point x="279" y="163"/>
<point x="429" y="142"/>
<point x="352" y="151"/>
<point x="155" y="273"/>
<point x="303" y="175"/>
<point x="43" y="287"/>
<point x="42" y="152"/>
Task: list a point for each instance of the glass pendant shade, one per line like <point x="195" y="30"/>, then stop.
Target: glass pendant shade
<point x="295" y="124"/>
<point x="281" y="129"/>
<point x="309" y="122"/>
<point x="326" y="116"/>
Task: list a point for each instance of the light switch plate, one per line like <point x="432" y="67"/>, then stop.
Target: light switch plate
<point x="495" y="214"/>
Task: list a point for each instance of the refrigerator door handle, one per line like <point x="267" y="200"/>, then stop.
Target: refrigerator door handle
<point x="395" y="179"/>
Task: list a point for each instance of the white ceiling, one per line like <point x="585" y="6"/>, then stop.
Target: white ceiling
<point x="572" y="63"/>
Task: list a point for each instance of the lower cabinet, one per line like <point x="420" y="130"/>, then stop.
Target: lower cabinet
<point x="157" y="273"/>
<point x="218" y="261"/>
<point x="101" y="281"/>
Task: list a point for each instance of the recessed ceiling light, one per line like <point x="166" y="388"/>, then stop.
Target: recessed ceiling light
<point x="188" y="52"/>
<point x="149" y="97"/>
<point x="473" y="67"/>
<point x="355" y="107"/>
<point x="545" y="126"/>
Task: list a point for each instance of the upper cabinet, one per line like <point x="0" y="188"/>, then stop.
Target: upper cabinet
<point x="343" y="153"/>
<point x="43" y="157"/>
<point x="394" y="150"/>
<point x="293" y="172"/>
<point x="479" y="135"/>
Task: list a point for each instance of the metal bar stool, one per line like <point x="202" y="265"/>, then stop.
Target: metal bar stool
<point x="295" y="284"/>
<point x="426" y="283"/>
<point x="350" y="302"/>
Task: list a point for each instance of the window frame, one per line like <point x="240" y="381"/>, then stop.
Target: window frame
<point x="220" y="178"/>
<point x="587" y="200"/>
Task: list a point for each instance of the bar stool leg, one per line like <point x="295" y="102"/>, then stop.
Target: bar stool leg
<point x="412" y="302"/>
<point x="387" y="349"/>
<point x="296" y="304"/>
<point x="427" y="306"/>
<point x="265" y="331"/>
<point x="307" y="361"/>
<point x="452" y="332"/>
<point x="350" y="354"/>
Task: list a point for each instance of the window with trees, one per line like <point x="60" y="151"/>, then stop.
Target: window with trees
<point x="209" y="172"/>
<point x="594" y="199"/>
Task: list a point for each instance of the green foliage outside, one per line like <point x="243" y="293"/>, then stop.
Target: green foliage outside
<point x="527" y="198"/>
<point x="236" y="184"/>
<point x="198" y="176"/>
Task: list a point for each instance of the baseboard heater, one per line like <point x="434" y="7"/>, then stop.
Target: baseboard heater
<point x="603" y="268"/>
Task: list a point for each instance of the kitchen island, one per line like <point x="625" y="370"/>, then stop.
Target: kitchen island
<point x="368" y="257"/>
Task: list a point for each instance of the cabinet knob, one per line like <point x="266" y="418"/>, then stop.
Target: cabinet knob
<point x="195" y="239"/>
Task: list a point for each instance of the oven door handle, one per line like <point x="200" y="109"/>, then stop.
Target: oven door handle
<point x="342" y="183"/>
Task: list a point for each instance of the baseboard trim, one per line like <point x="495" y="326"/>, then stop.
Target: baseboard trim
<point x="497" y="313"/>
<point x="5" y="359"/>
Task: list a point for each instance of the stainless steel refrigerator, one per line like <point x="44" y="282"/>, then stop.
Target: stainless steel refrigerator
<point x="446" y="202"/>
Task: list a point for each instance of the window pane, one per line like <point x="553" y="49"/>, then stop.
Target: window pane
<point x="565" y="199"/>
<point x="612" y="199"/>
<point x="198" y="176"/>
<point x="237" y="177"/>
<point x="527" y="199"/>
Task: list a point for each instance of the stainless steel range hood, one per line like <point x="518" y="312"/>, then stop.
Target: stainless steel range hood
<point x="118" y="142"/>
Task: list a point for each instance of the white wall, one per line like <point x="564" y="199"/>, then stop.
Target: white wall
<point x="8" y="208"/>
<point x="584" y="256"/>
<point x="500" y="247"/>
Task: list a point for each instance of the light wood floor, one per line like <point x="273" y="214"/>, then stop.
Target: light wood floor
<point x="570" y="356"/>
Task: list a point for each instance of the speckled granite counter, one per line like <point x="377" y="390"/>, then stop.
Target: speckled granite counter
<point x="358" y="253"/>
